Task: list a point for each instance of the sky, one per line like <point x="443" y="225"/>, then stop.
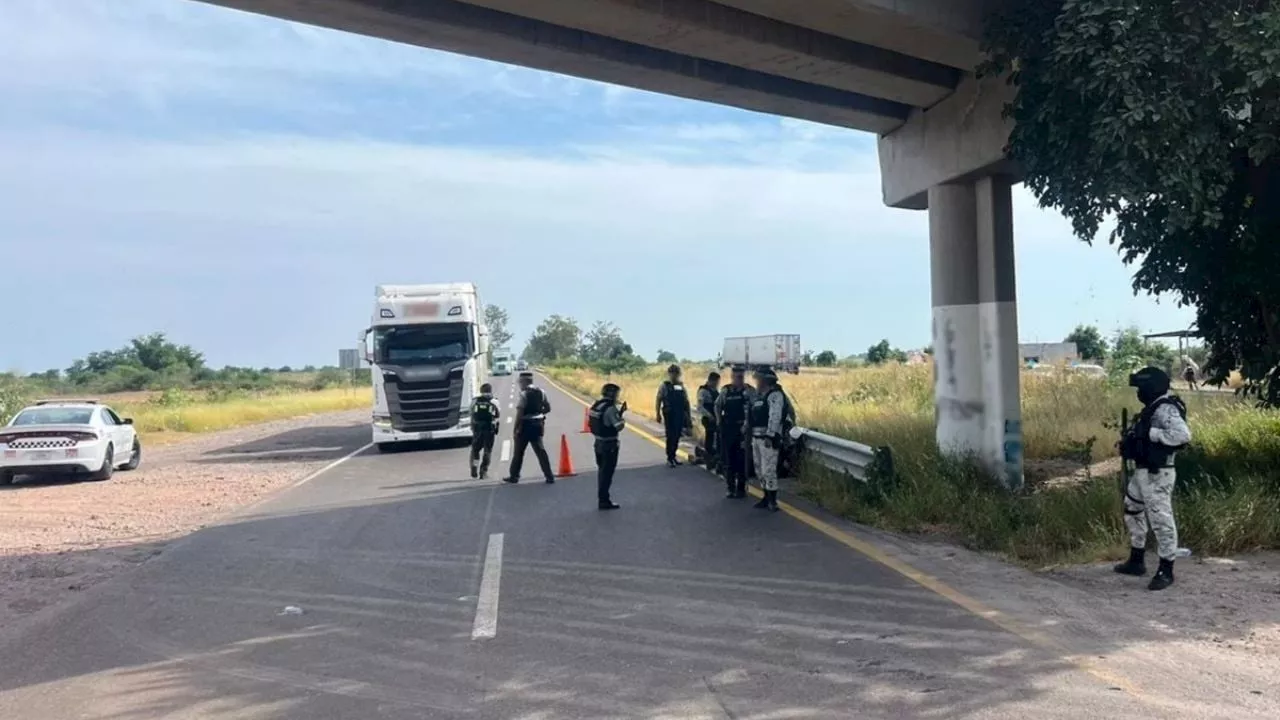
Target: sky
<point x="242" y="183"/>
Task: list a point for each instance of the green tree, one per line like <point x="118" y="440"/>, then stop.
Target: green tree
<point x="556" y="338"/>
<point x="602" y="342"/>
<point x="498" y="323"/>
<point x="826" y="358"/>
<point x="879" y="353"/>
<point x="1131" y="351"/>
<point x="666" y="357"/>
<point x="1161" y="114"/>
<point x="1089" y="342"/>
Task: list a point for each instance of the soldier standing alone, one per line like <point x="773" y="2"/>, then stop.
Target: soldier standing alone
<point x="606" y="422"/>
<point x="672" y="405"/>
<point x="1156" y="436"/>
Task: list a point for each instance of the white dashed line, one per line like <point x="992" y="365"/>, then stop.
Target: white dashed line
<point x="486" y="625"/>
<point x="505" y="454"/>
<point x="509" y="418"/>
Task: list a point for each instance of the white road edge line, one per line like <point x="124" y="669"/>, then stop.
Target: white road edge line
<point x="509" y="419"/>
<point x="505" y="455"/>
<point x="486" y="625"/>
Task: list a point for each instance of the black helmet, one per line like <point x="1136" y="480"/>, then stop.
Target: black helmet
<point x="610" y="390"/>
<point x="1152" y="383"/>
<point x="767" y="374"/>
<point x="673" y="369"/>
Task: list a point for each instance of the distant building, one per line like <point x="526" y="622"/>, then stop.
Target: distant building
<point x="916" y="357"/>
<point x="1063" y="353"/>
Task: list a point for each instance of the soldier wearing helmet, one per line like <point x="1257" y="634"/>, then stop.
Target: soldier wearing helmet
<point x="1159" y="431"/>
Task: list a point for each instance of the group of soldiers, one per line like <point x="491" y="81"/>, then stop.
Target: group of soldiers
<point x="746" y="433"/>
<point x="745" y="430"/>
<point x="745" y="427"/>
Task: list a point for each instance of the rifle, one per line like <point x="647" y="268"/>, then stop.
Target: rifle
<point x="1124" y="464"/>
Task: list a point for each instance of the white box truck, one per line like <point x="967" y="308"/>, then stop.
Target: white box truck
<point x="504" y="361"/>
<point x="427" y="348"/>
<point x="780" y="352"/>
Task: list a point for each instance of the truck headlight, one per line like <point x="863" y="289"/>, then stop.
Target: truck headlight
<point x="382" y="420"/>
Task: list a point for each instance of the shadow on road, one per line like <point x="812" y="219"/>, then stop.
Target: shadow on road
<point x="680" y="605"/>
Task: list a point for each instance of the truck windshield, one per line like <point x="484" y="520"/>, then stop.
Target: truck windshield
<point x="422" y="344"/>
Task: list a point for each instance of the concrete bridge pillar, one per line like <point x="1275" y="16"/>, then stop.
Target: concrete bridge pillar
<point x="950" y="159"/>
<point x="975" y="323"/>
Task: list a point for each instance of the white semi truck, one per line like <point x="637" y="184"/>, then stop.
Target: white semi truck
<point x="427" y="348"/>
<point x="780" y="352"/>
<point x="504" y="361"/>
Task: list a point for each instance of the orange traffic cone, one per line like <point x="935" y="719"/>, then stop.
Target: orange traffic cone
<point x="586" y="421"/>
<point x="566" y="462"/>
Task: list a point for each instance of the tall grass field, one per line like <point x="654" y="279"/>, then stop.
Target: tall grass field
<point x="171" y="415"/>
<point x="1228" y="497"/>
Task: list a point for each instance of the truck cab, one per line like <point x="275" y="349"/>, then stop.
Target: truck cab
<point x="427" y="348"/>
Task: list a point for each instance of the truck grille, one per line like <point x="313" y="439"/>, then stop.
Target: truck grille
<point x="424" y="405"/>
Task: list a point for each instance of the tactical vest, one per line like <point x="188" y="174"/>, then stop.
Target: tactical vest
<point x="595" y="420"/>
<point x="1149" y="412"/>
<point x="482" y="415"/>
<point x="674" y="400"/>
<point x="734" y="407"/>
<point x="709" y="405"/>
<point x="535" y="403"/>
<point x="759" y="413"/>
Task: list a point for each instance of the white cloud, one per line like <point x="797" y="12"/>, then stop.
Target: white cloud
<point x="262" y="247"/>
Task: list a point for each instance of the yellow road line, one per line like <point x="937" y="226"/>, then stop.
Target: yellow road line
<point x="683" y="454"/>
<point x="973" y="605"/>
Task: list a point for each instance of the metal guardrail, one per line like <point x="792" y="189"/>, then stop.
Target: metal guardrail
<point x="863" y="462"/>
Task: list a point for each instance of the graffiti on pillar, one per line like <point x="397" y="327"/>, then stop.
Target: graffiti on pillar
<point x="949" y="349"/>
<point x="987" y="345"/>
<point x="1013" y="450"/>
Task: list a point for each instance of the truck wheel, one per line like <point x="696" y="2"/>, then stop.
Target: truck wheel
<point x="108" y="467"/>
<point x="384" y="447"/>
<point x="6" y="478"/>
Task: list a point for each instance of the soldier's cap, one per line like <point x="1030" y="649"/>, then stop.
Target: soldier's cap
<point x="767" y="374"/>
<point x="610" y="389"/>
<point x="673" y="368"/>
<point x="738" y="369"/>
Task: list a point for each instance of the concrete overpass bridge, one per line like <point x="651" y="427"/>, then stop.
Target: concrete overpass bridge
<point x="902" y="69"/>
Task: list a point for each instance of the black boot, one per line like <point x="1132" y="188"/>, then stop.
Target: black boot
<point x="740" y="489"/>
<point x="764" y="501"/>
<point x="1163" y="577"/>
<point x="773" y="500"/>
<point x="732" y="490"/>
<point x="474" y="471"/>
<point x="608" y="505"/>
<point x="1135" y="565"/>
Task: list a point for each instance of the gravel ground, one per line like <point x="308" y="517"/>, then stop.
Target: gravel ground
<point x="58" y="537"/>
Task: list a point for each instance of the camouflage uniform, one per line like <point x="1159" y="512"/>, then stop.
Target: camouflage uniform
<point x="1148" y="500"/>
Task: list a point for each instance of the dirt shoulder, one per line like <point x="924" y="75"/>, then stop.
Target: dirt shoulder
<point x="59" y="537"/>
<point x="1208" y="647"/>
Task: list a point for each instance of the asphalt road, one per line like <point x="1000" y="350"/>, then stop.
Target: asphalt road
<point x="425" y="594"/>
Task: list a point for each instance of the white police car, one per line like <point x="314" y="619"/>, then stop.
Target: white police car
<point x="68" y="437"/>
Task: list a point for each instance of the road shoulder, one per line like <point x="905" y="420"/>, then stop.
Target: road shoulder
<point x="59" y="538"/>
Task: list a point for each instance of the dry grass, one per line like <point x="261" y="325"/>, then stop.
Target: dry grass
<point x="1229" y="494"/>
<point x="164" y="418"/>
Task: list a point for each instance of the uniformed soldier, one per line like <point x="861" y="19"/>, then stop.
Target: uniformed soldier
<point x="484" y="428"/>
<point x="708" y="393"/>
<point x="731" y="418"/>
<point x="673" y="412"/>
<point x="1159" y="431"/>
<point x="765" y="418"/>
<point x="530" y="426"/>
<point x="606" y="423"/>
